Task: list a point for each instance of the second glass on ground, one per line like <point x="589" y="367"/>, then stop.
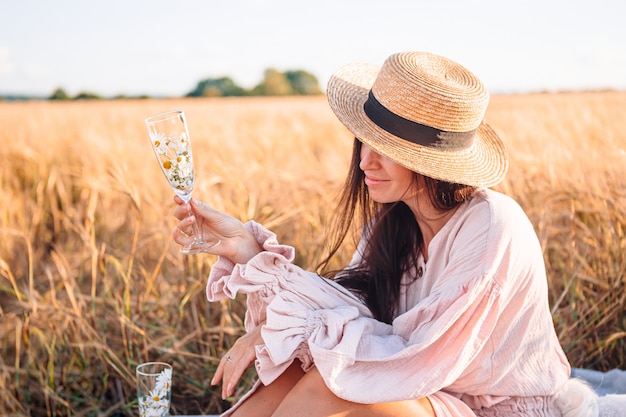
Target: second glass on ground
<point x="154" y="389"/>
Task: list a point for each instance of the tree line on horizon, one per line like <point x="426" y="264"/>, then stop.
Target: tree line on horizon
<point x="274" y="83"/>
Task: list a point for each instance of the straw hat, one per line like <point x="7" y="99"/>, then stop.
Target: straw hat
<point x="424" y="112"/>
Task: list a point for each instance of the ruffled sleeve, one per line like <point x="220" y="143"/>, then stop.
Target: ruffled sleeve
<point x="265" y="275"/>
<point x="226" y="279"/>
<point x="260" y="278"/>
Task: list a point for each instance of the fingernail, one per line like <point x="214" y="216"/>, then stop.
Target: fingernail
<point x="229" y="390"/>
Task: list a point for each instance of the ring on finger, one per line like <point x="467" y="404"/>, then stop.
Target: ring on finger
<point x="228" y="358"/>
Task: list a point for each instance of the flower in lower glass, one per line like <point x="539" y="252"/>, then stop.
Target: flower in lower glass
<point x="164" y="380"/>
<point x="157" y="402"/>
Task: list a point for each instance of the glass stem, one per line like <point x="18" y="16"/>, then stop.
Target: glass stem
<point x="197" y="236"/>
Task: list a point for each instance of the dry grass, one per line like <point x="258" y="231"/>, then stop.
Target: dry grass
<point x="91" y="284"/>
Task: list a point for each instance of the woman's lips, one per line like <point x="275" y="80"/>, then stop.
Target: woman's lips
<point x="373" y="181"/>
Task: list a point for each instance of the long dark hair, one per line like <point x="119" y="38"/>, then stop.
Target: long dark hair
<point x="394" y="237"/>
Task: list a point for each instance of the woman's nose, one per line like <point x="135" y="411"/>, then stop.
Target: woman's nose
<point x="368" y="157"/>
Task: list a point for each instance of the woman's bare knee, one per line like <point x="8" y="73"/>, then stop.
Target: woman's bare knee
<point x="308" y="397"/>
<point x="311" y="397"/>
<point x="265" y="399"/>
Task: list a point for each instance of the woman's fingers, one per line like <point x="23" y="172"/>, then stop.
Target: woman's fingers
<point x="182" y="209"/>
<point x="183" y="232"/>
<point x="236" y="361"/>
<point x="230" y="371"/>
<point x="219" y="372"/>
<point x="233" y="372"/>
<point x="202" y="214"/>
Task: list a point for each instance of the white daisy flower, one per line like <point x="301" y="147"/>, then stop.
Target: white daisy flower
<point x="164" y="380"/>
<point x="159" y="142"/>
<point x="183" y="142"/>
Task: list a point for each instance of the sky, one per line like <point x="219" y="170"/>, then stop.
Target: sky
<point x="164" y="48"/>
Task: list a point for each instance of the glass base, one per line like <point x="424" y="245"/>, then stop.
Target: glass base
<point x="198" y="247"/>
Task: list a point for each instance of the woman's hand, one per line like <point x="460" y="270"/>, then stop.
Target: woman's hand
<point x="236" y="361"/>
<point x="236" y="242"/>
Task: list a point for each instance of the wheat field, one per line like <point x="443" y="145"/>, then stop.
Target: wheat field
<point x="91" y="283"/>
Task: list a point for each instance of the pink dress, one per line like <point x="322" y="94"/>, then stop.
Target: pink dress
<point x="474" y="334"/>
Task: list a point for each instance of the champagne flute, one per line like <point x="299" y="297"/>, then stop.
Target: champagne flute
<point x="171" y="143"/>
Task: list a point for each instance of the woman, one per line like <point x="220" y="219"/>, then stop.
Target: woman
<point x="443" y="310"/>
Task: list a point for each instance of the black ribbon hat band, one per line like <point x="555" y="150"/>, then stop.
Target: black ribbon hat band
<point x="415" y="132"/>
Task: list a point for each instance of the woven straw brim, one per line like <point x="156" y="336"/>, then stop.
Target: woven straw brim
<point x="483" y="164"/>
